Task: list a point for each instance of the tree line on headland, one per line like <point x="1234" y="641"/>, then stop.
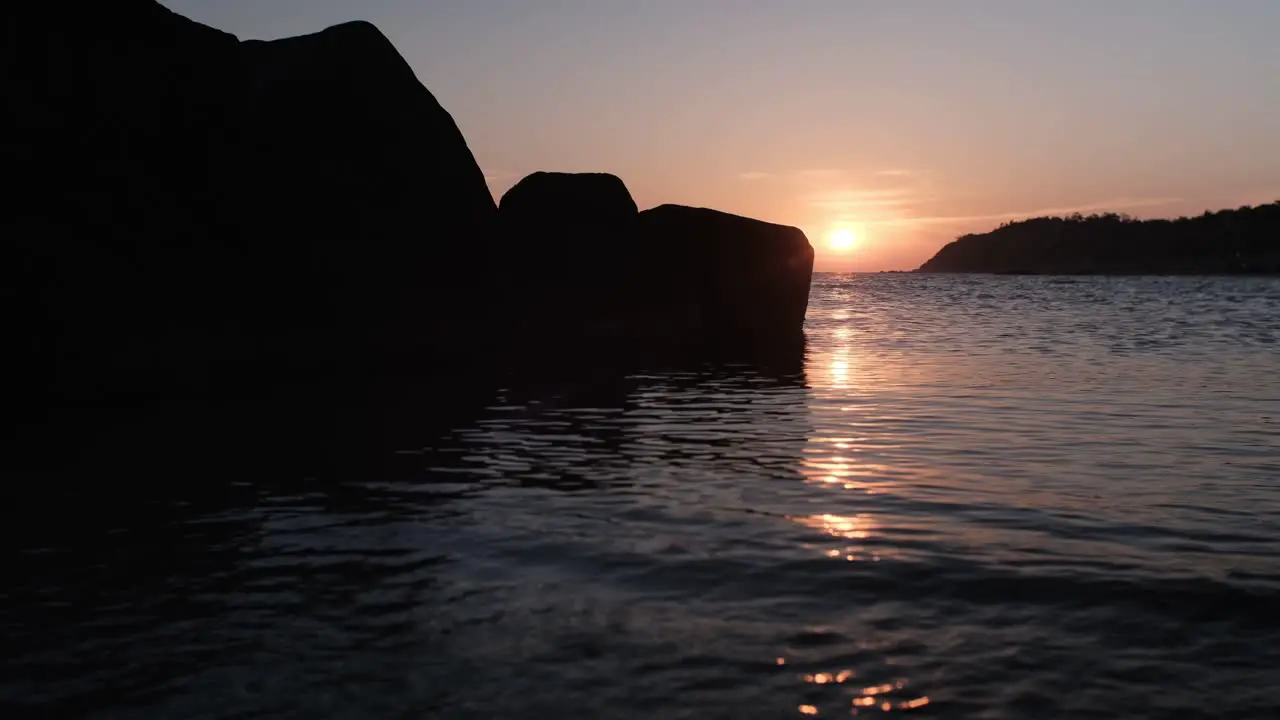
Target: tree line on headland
<point x="1241" y="241"/>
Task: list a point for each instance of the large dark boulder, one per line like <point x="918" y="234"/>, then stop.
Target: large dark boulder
<point x="584" y="268"/>
<point x="358" y="170"/>
<point x="185" y="206"/>
<point x="744" y="279"/>
<point x="567" y="246"/>
<point x="108" y="233"/>
<point x="557" y="201"/>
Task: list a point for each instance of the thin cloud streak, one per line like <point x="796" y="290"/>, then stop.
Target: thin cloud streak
<point x="868" y="199"/>
<point x="819" y="174"/>
<point x="754" y="175"/>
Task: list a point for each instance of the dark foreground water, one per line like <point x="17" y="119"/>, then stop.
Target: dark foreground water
<point x="971" y="497"/>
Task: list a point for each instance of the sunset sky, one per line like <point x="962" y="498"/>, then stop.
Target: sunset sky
<point x="900" y="123"/>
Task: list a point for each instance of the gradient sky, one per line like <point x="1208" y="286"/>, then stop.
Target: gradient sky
<point x="909" y="121"/>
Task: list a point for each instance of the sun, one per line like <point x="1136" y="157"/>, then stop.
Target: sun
<point x="842" y="239"/>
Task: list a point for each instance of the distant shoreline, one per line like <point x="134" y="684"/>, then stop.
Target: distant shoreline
<point x="1240" y="242"/>
<point x="1275" y="274"/>
<point x="1013" y="273"/>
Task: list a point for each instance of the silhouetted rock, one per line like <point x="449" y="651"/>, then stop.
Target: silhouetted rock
<point x="584" y="266"/>
<point x="358" y="166"/>
<point x="743" y="278"/>
<point x="554" y="201"/>
<point x="565" y="248"/>
<point x="1246" y="240"/>
<point x="187" y="205"/>
<point x="189" y="210"/>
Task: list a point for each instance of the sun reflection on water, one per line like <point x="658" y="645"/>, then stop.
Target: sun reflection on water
<point x="839" y="373"/>
<point x="825" y="678"/>
<point x="853" y="528"/>
<point x="847" y="459"/>
<point x="873" y="697"/>
<point x="842" y="471"/>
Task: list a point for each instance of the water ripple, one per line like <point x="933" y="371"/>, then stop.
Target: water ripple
<point x="972" y="497"/>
